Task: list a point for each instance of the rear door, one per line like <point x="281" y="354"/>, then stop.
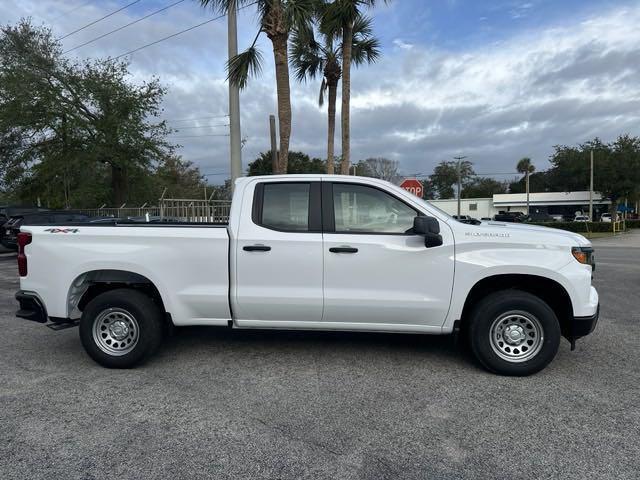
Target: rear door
<point x="279" y="255"/>
<point x="377" y="273"/>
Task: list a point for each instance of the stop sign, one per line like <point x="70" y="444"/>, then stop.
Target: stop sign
<point x="413" y="186"/>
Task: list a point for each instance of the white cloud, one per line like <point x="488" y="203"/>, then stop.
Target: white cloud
<point x="419" y="104"/>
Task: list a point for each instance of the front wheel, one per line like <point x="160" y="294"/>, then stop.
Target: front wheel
<point x="514" y="333"/>
<point x="121" y="328"/>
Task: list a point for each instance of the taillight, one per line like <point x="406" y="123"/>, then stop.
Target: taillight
<point x="24" y="239"/>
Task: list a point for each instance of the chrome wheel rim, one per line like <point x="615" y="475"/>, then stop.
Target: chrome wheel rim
<point x="116" y="331"/>
<point x="516" y="336"/>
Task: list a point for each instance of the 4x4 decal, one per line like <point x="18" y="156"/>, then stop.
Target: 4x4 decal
<point x="62" y="230"/>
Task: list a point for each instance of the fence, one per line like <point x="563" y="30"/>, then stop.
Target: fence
<point x="169" y="209"/>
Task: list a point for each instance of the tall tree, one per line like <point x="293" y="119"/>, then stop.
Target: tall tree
<point x="277" y="18"/>
<point x="483" y="188"/>
<point x="298" y="162"/>
<point x="445" y="175"/>
<point x="525" y="166"/>
<point x="313" y="55"/>
<point x="74" y="133"/>
<point x="379" y="167"/>
<point x="339" y="18"/>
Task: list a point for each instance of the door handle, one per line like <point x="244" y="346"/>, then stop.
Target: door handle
<point x="256" y="248"/>
<point x="343" y="250"/>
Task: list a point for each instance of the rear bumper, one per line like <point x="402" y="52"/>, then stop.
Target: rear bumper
<point x="31" y="307"/>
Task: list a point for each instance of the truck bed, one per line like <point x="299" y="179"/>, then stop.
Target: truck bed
<point x="187" y="263"/>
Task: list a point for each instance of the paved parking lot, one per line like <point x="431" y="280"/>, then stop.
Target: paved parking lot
<point x="230" y="404"/>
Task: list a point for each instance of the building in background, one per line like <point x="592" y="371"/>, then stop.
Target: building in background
<point x="542" y="205"/>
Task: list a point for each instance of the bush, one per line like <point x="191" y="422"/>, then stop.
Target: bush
<point x="633" y="223"/>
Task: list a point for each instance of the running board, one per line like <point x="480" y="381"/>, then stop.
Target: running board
<point x="63" y="325"/>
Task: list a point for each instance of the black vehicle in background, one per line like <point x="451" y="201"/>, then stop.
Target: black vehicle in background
<point x="514" y="217"/>
<point x="8" y="211"/>
<point x="9" y="231"/>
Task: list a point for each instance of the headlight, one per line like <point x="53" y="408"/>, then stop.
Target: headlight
<point x="584" y="255"/>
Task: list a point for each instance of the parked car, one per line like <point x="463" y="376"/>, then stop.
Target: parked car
<point x="48" y="217"/>
<point x="466" y="219"/>
<point x="605" y="217"/>
<point x="512" y="217"/>
<point x="8" y="211"/>
<point x="581" y="218"/>
<point x="314" y="252"/>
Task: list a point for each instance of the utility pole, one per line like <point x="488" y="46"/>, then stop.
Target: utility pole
<point x="274" y="148"/>
<point x="459" y="159"/>
<point x="527" y="182"/>
<point x="591" y="190"/>
<point x="234" y="99"/>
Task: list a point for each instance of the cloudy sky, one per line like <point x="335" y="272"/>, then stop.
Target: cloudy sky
<point x="493" y="80"/>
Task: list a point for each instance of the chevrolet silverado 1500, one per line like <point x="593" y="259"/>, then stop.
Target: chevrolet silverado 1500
<point x="314" y="252"/>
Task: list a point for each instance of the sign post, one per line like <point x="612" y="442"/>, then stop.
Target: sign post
<point x="413" y="185"/>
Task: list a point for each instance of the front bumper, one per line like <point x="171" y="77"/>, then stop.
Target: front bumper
<point x="581" y="326"/>
<point x="31" y="307"/>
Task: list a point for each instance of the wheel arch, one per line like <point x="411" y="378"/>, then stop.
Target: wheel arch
<point x="86" y="286"/>
<point x="547" y="289"/>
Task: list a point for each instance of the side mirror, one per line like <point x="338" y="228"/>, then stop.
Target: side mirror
<point x="429" y="228"/>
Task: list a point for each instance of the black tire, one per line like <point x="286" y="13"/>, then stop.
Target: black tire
<point x="523" y="312"/>
<point x="139" y="320"/>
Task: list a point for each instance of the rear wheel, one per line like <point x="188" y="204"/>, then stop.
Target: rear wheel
<point x="121" y="328"/>
<point x="514" y="333"/>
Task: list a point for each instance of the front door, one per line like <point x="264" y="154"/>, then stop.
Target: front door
<point x="279" y="256"/>
<point x="378" y="273"/>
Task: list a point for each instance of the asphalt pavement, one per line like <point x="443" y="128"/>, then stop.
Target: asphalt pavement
<point x="221" y="404"/>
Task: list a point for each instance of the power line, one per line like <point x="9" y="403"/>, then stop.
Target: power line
<point x="178" y="33"/>
<point x="98" y="20"/>
<point x="195" y="136"/>
<point x="124" y="26"/>
<point x="203" y="126"/>
<point x="197" y="118"/>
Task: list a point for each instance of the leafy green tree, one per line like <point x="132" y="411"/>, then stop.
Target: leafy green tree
<point x="428" y="190"/>
<point x="483" y="188"/>
<point x="616" y="167"/>
<point x="277" y="18"/>
<point x="74" y="133"/>
<point x="445" y="176"/>
<point x="339" y="18"/>
<point x="298" y="162"/>
<point x="320" y="54"/>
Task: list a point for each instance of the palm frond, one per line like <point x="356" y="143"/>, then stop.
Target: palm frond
<point x="222" y="6"/>
<point x="365" y="51"/>
<point x="363" y="26"/>
<point x="243" y="66"/>
<point x="305" y="53"/>
<point x="323" y="88"/>
<point x="299" y="12"/>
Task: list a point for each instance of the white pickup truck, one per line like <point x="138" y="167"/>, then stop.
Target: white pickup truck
<point x="314" y="252"/>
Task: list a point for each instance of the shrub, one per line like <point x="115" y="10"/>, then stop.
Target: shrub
<point x="633" y="223"/>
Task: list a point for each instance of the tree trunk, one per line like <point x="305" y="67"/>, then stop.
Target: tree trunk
<point x="118" y="185"/>
<point x="347" y="42"/>
<point x="331" y="134"/>
<point x="284" y="99"/>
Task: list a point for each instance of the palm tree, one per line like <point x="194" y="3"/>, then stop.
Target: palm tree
<point x="340" y="17"/>
<point x="525" y="166"/>
<point x="276" y="19"/>
<point x="311" y="58"/>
